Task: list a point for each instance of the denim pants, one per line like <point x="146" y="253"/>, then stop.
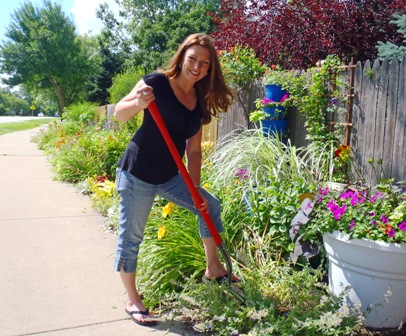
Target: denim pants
<point x="136" y="200"/>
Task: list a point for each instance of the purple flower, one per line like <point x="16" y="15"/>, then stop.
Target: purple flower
<point x="242" y="173"/>
<point x="402" y="226"/>
<point x="347" y="194"/>
<point x="332" y="205"/>
<point x="384" y="219"/>
<point x="371" y="213"/>
<point x="352" y="224"/>
<point x="323" y="191"/>
<point x="376" y="196"/>
<point x="336" y="210"/>
<point x="354" y="200"/>
<point x="333" y="101"/>
<point x="374" y="222"/>
<point x="391" y="232"/>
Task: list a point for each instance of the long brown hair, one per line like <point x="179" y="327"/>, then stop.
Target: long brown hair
<point x="213" y="93"/>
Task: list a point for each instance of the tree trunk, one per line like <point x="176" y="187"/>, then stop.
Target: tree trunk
<point x="59" y="94"/>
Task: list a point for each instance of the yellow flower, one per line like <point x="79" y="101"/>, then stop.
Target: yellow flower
<point x="167" y="209"/>
<point x="161" y="232"/>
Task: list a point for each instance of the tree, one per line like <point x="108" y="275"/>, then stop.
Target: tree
<point x="391" y="50"/>
<point x="43" y="52"/>
<point x="298" y="33"/>
<point x="10" y="103"/>
<point x="102" y="81"/>
<point x="150" y="31"/>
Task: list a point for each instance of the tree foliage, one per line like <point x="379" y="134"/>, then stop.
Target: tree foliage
<point x="150" y="31"/>
<point x="43" y="52"/>
<point x="390" y="50"/>
<point x="298" y="33"/>
<point x="11" y="104"/>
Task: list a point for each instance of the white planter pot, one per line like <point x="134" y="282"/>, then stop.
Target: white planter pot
<point x="371" y="269"/>
<point x="337" y="186"/>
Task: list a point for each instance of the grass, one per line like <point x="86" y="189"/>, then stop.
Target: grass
<point x="24" y="125"/>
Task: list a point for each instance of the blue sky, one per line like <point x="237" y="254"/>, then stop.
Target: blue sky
<point x="83" y="12"/>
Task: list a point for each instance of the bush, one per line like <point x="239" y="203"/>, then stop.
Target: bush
<point x="123" y="83"/>
<point x="81" y="112"/>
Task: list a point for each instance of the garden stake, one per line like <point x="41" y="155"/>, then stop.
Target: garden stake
<point x="156" y="115"/>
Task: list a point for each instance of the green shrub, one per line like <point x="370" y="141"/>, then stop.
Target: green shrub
<point x="123" y="83"/>
<point x="81" y="112"/>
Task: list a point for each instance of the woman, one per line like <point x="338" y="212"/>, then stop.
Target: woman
<point x="187" y="94"/>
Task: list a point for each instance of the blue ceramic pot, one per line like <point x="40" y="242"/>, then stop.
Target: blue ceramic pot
<point x="274" y="92"/>
<point x="270" y="127"/>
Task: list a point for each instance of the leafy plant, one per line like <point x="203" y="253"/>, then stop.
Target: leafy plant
<point x="123" y="83"/>
<point x="78" y="151"/>
<point x="81" y="112"/>
<point x="278" y="109"/>
<point x="241" y="67"/>
<point x="373" y="213"/>
<point x="279" y="301"/>
<point x="278" y="76"/>
<point x="318" y="96"/>
<point x="172" y="251"/>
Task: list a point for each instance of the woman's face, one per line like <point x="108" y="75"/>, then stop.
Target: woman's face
<point x="196" y="63"/>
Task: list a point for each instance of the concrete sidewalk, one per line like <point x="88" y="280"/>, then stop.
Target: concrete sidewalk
<point x="56" y="262"/>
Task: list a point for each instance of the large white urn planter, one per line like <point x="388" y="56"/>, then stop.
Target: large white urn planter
<point x="372" y="269"/>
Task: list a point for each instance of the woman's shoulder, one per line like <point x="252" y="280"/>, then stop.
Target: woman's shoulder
<point x="155" y="78"/>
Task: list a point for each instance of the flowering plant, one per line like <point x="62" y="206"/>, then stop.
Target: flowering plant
<point x="377" y="213"/>
<point x="276" y="75"/>
<point x="262" y="104"/>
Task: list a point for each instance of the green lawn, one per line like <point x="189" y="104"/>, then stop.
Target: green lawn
<point x="24" y="125"/>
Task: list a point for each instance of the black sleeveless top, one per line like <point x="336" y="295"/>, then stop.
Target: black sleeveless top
<point x="147" y="156"/>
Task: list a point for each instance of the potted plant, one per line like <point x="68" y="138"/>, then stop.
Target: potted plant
<point x="271" y="114"/>
<point x="364" y="235"/>
<point x="275" y="79"/>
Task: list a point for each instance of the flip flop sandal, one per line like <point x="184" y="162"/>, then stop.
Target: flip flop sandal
<point x="147" y="322"/>
<point x="220" y="279"/>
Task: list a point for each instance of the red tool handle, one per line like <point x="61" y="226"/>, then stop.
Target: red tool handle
<point x="156" y="115"/>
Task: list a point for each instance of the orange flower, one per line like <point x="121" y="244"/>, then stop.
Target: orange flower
<point x="343" y="152"/>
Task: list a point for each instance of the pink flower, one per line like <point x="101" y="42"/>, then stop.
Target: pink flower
<point x="402" y="226"/>
<point x="384" y="219"/>
<point x="352" y="224"/>
<point x="266" y="101"/>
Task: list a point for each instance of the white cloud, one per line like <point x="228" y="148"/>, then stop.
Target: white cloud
<point x="85" y="15"/>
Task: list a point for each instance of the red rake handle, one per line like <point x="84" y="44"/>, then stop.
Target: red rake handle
<point x="156" y="115"/>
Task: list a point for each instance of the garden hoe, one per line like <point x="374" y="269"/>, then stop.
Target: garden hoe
<point x="156" y="115"/>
